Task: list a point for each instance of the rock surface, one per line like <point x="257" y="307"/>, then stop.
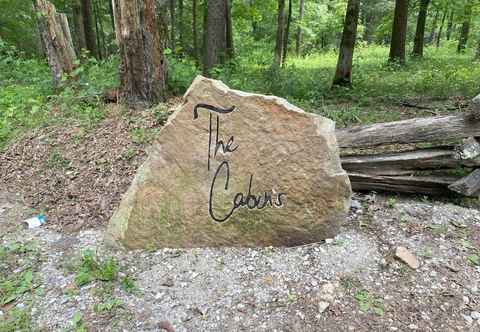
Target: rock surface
<point x="407" y="257"/>
<point x="235" y="169"/>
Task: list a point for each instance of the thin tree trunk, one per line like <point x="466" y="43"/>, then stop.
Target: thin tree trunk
<point x="181" y="25"/>
<point x="79" y="27"/>
<point x="194" y="30"/>
<point x="56" y="38"/>
<point x="229" y="31"/>
<point x="172" y="26"/>
<point x="420" y="31"/>
<point x="110" y="12"/>
<point x="477" y="52"/>
<point x="432" y="36"/>
<point x="464" y="33"/>
<point x="143" y="66"/>
<point x="216" y="41"/>
<point x="280" y="34"/>
<point x="97" y="29"/>
<point x="343" y="75"/>
<point x="299" y="30"/>
<point x="399" y="32"/>
<point x="442" y="24"/>
<point x="287" y="33"/>
<point x="450" y="24"/>
<point x="88" y="23"/>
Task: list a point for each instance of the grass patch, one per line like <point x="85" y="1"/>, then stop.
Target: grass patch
<point x="91" y="268"/>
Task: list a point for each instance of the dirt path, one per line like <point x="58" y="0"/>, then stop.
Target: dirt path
<point x="351" y="283"/>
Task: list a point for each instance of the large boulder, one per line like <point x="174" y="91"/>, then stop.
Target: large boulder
<point x="235" y="169"/>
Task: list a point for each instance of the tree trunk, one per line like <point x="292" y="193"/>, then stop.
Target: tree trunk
<point x="215" y="35"/>
<point x="343" y="75"/>
<point x="462" y="43"/>
<point x="194" y="30"/>
<point x="110" y="12"/>
<point x="477" y="52"/>
<point x="420" y="31"/>
<point x="56" y="37"/>
<point x="450" y="24"/>
<point x="98" y="30"/>
<point x="229" y="31"/>
<point x="90" y="37"/>
<point x="81" y="41"/>
<point x="399" y="32"/>
<point x="172" y="26"/>
<point x="287" y="33"/>
<point x="143" y="67"/>
<point x="433" y="129"/>
<point x="280" y="39"/>
<point x="299" y="30"/>
<point x="442" y="24"/>
<point x="433" y="32"/>
<point x="181" y="34"/>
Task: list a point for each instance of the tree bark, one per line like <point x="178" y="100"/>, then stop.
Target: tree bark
<point x="215" y="35"/>
<point x="280" y="39"/>
<point x="464" y="33"/>
<point x="143" y="67"/>
<point x="56" y="37"/>
<point x="399" y="32"/>
<point x="79" y="27"/>
<point x="172" y="26"/>
<point x="469" y="185"/>
<point x="450" y="24"/>
<point x="90" y="36"/>
<point x="343" y="74"/>
<point x="229" y="31"/>
<point x="110" y="12"/>
<point x="442" y="24"/>
<point x="181" y="34"/>
<point x="195" y="30"/>
<point x="440" y="128"/>
<point x="287" y="33"/>
<point x="420" y="31"/>
<point x="299" y="30"/>
<point x="98" y="30"/>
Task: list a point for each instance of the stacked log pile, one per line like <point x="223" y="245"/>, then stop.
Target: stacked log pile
<point x="453" y="148"/>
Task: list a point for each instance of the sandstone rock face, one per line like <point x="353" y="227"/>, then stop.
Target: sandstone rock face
<point x="235" y="169"/>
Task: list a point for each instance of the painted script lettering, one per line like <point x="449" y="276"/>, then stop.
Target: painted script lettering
<point x="247" y="200"/>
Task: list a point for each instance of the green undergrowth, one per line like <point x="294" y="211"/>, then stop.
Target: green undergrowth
<point x="28" y="100"/>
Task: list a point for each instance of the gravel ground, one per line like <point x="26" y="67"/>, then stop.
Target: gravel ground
<point x="351" y="283"/>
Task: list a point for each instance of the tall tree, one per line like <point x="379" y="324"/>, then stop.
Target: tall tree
<point x="287" y="33"/>
<point x="280" y="39"/>
<point x="195" y="30"/>
<point x="399" y="31"/>
<point x="343" y="74"/>
<point x="88" y="23"/>
<point x="465" y="31"/>
<point x="172" y="26"/>
<point x="450" y="24"/>
<point x="143" y="66"/>
<point x="442" y="25"/>
<point x="420" y="31"/>
<point x="81" y="42"/>
<point x="433" y="32"/>
<point x="229" y="29"/>
<point x="181" y="34"/>
<point x="299" y="29"/>
<point x="215" y="50"/>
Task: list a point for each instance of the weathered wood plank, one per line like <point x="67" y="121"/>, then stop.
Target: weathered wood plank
<point x="402" y="184"/>
<point x="408" y="162"/>
<point x="432" y="129"/>
<point x="469" y="185"/>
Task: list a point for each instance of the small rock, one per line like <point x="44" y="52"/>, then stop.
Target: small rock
<point x="355" y="205"/>
<point x="468" y="319"/>
<point x="475" y="315"/>
<point x="328" y="241"/>
<point x="407" y="257"/>
<point x="322" y="306"/>
<point x="413" y="327"/>
<point x="20" y="306"/>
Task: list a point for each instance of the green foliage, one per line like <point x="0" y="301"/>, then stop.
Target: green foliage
<point x="91" y="268"/>
<point x="78" y="323"/>
<point x="16" y="320"/>
<point x="128" y="285"/>
<point x="367" y="301"/>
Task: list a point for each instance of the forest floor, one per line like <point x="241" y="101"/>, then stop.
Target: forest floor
<point x="62" y="277"/>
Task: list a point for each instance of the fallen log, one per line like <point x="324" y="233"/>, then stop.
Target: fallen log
<point x="404" y="163"/>
<point x="469" y="185"/>
<point x="432" y="185"/>
<point x="433" y="129"/>
<point x="469" y="149"/>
